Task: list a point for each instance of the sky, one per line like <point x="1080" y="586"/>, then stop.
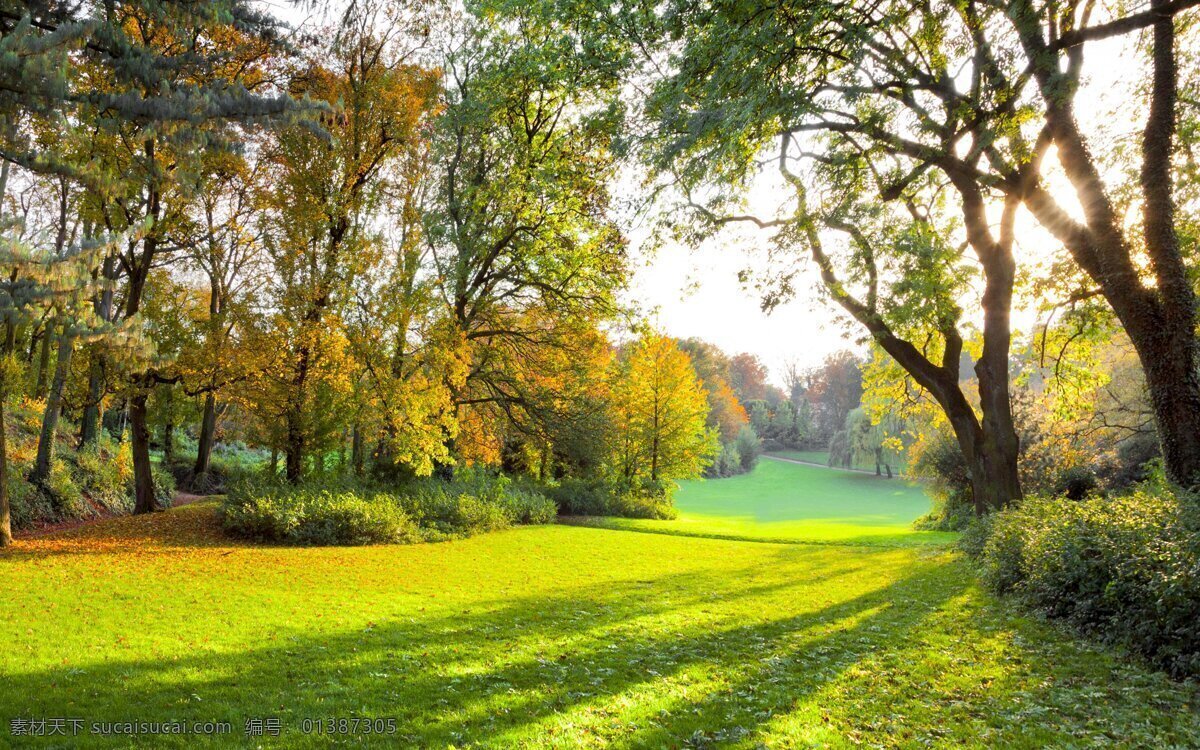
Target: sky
<point x="697" y="293"/>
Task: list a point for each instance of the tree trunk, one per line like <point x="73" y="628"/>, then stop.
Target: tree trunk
<point x="43" y="369"/>
<point x="356" y="449"/>
<point x="1170" y="365"/>
<point x="143" y="479"/>
<point x="45" y="449"/>
<point x="208" y="429"/>
<point x="294" y="450"/>
<point x="168" y="441"/>
<point x="89" y="428"/>
<point x="5" y="513"/>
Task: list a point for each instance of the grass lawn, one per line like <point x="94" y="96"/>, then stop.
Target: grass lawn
<point x="549" y="637"/>
<point x="783" y="501"/>
<point x="822" y="457"/>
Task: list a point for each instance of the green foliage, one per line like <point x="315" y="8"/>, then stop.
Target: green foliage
<point x="594" y="497"/>
<point x="1126" y="569"/>
<point x="940" y="462"/>
<point x="62" y="491"/>
<point x="104" y="473"/>
<point x="348" y="514"/>
<point x="749" y="448"/>
<point x="319" y="517"/>
<point x="28" y="505"/>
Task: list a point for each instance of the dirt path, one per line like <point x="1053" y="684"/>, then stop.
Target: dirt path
<point x="181" y="498"/>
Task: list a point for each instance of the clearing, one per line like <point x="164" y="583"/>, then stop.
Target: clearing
<point x="554" y="636"/>
<point x="789" y="502"/>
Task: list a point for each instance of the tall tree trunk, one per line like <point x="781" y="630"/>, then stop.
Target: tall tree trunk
<point x="294" y="450"/>
<point x="168" y="441"/>
<point x="1161" y="319"/>
<point x="208" y="429"/>
<point x="43" y="367"/>
<point x="5" y="512"/>
<point x="89" y="428"/>
<point x="45" y="449"/>
<point x="356" y="449"/>
<point x="143" y="480"/>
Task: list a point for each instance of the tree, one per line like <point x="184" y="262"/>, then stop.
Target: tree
<point x="527" y="255"/>
<point x="326" y="188"/>
<point x="748" y="377"/>
<point x="661" y="412"/>
<point x="977" y="94"/>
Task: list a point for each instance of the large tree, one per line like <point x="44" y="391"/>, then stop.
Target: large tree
<point x="520" y="230"/>
<point x="976" y="94"/>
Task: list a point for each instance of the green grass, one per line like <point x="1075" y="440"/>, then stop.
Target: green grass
<point x="822" y="458"/>
<point x="781" y="501"/>
<point x="550" y="637"/>
<point x="813" y="457"/>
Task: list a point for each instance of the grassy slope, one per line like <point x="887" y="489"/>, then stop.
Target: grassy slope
<point x="790" y="502"/>
<point x="822" y="457"/>
<point x="553" y="637"/>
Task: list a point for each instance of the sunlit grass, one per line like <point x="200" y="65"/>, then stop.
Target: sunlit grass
<point x="552" y="636"/>
<point x="783" y="501"/>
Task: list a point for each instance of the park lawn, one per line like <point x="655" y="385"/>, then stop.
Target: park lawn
<point x="549" y="637"/>
<point x="812" y="457"/>
<point x="822" y="458"/>
<point x="782" y="501"/>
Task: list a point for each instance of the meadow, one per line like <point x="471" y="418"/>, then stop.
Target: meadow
<point x="789" y="502"/>
<point x="558" y="636"/>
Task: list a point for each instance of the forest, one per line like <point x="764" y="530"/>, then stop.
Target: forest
<point x="297" y="288"/>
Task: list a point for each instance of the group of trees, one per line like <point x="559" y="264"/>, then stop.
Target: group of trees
<point x="912" y="141"/>
<point x="392" y="238"/>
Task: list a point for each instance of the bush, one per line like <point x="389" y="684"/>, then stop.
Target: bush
<point x="104" y="477"/>
<point x="749" y="448"/>
<point x="423" y="510"/>
<point x="1126" y="569"/>
<point x="318" y="517"/>
<point x="62" y="492"/>
<point x="596" y="497"/>
<point x="26" y="505"/>
<point x="941" y="463"/>
<point x="726" y="463"/>
<point x="164" y="485"/>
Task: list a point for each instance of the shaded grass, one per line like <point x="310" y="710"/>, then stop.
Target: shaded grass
<point x="789" y="502"/>
<point x="552" y="637"/>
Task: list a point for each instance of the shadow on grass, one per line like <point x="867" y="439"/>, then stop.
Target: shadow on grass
<point x="907" y="540"/>
<point x="684" y="660"/>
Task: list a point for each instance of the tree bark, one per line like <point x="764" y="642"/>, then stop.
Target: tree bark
<point x="1161" y="320"/>
<point x="5" y="512"/>
<point x="208" y="429"/>
<point x="43" y="367"/>
<point x="143" y="480"/>
<point x="45" y="449"/>
<point x="356" y="450"/>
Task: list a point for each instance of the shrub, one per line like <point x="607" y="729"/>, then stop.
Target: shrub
<point x="1126" y="568"/>
<point x="27" y="505"/>
<point x="726" y="463"/>
<point x="103" y="478"/>
<point x="749" y="448"/>
<point x="62" y="492"/>
<point x="596" y="497"/>
<point x="422" y="510"/>
<point x="164" y="485"/>
<point x="316" y="517"/>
